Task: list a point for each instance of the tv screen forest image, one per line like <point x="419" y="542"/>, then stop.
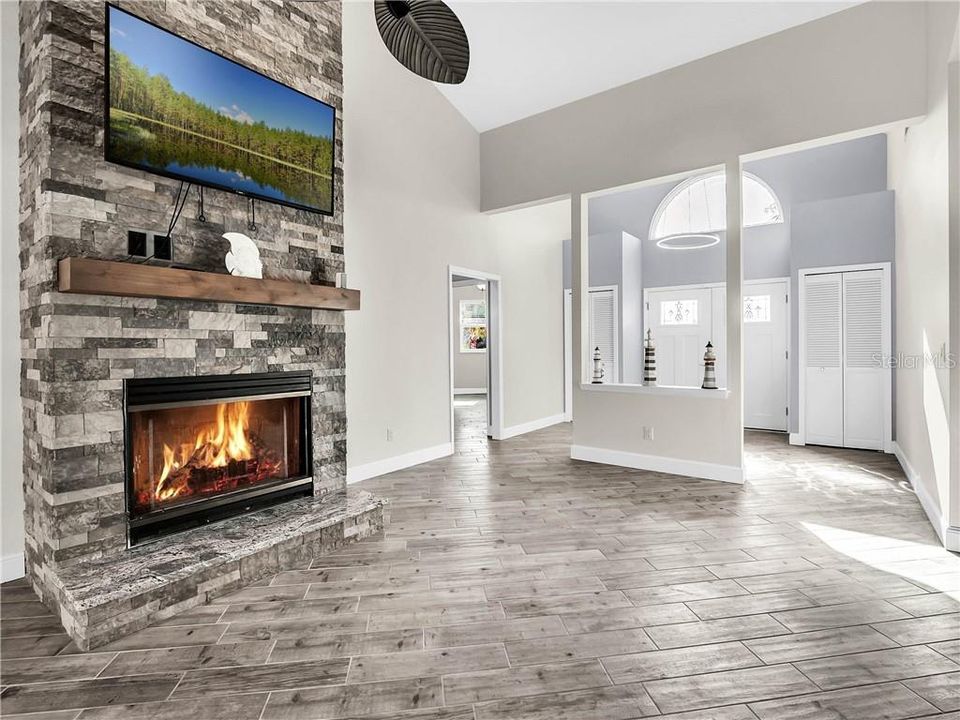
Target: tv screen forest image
<point x="178" y="109"/>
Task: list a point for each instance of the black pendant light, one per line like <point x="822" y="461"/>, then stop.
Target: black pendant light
<point x="426" y="37"/>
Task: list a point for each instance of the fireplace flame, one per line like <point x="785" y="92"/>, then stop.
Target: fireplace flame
<point x="213" y="447"/>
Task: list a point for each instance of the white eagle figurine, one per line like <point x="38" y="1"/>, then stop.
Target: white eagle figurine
<point x="244" y="257"/>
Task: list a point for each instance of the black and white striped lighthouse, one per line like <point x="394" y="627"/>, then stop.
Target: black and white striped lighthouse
<point x="649" y="360"/>
<point x="709" y="368"/>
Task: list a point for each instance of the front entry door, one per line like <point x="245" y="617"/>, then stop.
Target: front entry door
<point x="681" y="321"/>
<point x="765" y="355"/>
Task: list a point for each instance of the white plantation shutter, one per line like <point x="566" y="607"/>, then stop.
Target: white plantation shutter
<point x="862" y="318"/>
<point x="603" y="332"/>
<point x="823" y="313"/>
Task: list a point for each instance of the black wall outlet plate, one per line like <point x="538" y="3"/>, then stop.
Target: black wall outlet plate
<point x="136" y="243"/>
<point x="162" y="247"/>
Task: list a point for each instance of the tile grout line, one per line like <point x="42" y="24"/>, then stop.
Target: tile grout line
<point x="180" y="680"/>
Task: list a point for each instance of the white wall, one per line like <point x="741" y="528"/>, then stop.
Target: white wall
<point x="11" y="442"/>
<point x="469" y="368"/>
<point x="855" y="69"/>
<point x="412" y="208"/>
<point x="919" y="175"/>
<point x="529" y="243"/>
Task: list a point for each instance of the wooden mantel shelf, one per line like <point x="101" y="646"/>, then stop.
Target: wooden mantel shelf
<point x="106" y="277"/>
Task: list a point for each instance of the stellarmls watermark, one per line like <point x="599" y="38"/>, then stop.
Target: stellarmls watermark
<point x="941" y="360"/>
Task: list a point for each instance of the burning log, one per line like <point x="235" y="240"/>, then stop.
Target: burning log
<point x="197" y="476"/>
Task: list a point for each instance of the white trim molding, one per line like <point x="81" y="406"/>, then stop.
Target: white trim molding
<point x="523" y="428"/>
<point x="470" y="391"/>
<point x="949" y="536"/>
<point x="11" y="567"/>
<point x="398" y="462"/>
<point x="795" y="439"/>
<point x="658" y="463"/>
<point x="668" y="390"/>
<point x="494" y="352"/>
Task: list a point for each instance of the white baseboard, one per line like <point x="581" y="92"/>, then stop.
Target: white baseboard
<point x="795" y="439"/>
<point x="949" y="536"/>
<point x="399" y="462"/>
<point x="470" y="391"/>
<point x="11" y="567"/>
<point x="523" y="428"/>
<point x="658" y="463"/>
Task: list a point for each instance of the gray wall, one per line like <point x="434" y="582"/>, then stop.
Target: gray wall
<point x="839" y="231"/>
<point x="616" y="259"/>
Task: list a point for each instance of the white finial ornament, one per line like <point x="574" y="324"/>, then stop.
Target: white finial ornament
<point x="243" y="259"/>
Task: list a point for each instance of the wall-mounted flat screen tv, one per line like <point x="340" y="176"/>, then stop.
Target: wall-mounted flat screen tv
<point x="176" y="109"/>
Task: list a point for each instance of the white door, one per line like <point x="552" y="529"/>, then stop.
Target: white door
<point x="823" y="366"/>
<point x="568" y="354"/>
<point x="604" y="333"/>
<point x="864" y="329"/>
<point x="682" y="323"/>
<point x="765" y="355"/>
<point x="846" y="333"/>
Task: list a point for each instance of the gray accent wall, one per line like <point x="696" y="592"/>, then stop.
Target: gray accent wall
<point x="616" y="258"/>
<point x="839" y="231"/>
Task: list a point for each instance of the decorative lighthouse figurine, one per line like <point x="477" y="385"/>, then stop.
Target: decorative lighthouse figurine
<point x="709" y="368"/>
<point x="649" y="360"/>
<point x="597" y="367"/>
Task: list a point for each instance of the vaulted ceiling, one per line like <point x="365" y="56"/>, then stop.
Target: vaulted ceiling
<point x="530" y="56"/>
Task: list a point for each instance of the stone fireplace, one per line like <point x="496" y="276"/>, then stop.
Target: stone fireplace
<point x="118" y="391"/>
<point x="201" y="449"/>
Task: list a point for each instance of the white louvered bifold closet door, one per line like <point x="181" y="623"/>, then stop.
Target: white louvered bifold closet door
<point x="823" y="380"/>
<point x="603" y="333"/>
<point x="863" y="349"/>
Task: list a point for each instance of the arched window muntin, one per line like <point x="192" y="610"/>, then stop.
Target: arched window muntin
<point x="707" y="214"/>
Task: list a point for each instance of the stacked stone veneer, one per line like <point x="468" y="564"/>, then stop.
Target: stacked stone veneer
<point x="78" y="349"/>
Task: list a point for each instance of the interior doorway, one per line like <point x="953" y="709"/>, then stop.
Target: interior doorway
<point x="475" y="357"/>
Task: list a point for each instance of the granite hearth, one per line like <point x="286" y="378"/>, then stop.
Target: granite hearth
<point x="104" y="599"/>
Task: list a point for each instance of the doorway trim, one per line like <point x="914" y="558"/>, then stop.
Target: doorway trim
<point x="567" y="354"/>
<point x="800" y="438"/>
<point x="494" y="347"/>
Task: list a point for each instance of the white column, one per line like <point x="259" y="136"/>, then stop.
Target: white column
<point x="734" y="276"/>
<point x="952" y="510"/>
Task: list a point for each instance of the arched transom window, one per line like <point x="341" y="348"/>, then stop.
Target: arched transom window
<point x="697" y="208"/>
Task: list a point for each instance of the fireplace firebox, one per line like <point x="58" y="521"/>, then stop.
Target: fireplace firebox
<point x="201" y="449"/>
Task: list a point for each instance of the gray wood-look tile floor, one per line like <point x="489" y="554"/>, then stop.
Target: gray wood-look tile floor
<point x="512" y="583"/>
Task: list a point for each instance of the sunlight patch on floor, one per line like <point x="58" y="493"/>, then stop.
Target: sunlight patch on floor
<point x="929" y="565"/>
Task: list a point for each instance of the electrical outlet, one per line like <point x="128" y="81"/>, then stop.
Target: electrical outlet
<point x="647" y="432"/>
<point x="162" y="247"/>
<point x="146" y="244"/>
<point x="136" y="243"/>
<point x="389" y="435"/>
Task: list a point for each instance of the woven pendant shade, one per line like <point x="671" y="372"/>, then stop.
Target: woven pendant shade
<point x="426" y="37"/>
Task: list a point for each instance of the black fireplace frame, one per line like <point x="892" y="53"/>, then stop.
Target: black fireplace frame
<point x="155" y="393"/>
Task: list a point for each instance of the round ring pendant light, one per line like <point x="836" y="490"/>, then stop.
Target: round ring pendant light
<point x="426" y="37"/>
<point x="692" y="241"/>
